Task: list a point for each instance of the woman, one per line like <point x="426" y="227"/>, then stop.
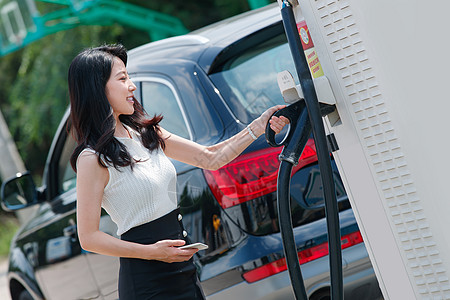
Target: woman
<point x="122" y="165"/>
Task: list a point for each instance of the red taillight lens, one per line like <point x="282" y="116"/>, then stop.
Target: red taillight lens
<point x="252" y="175"/>
<point x="305" y="256"/>
<point x="265" y="271"/>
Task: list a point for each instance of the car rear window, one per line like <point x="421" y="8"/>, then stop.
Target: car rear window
<point x="248" y="84"/>
<point x="248" y="81"/>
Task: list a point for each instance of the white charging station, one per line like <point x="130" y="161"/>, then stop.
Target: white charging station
<point x="388" y="64"/>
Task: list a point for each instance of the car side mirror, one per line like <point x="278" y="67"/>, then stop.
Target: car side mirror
<point x="18" y="192"/>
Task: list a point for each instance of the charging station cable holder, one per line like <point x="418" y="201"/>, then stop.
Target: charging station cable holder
<point x="293" y="92"/>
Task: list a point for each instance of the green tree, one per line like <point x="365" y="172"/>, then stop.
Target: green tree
<point x="33" y="93"/>
<point x="37" y="98"/>
<point x="196" y="14"/>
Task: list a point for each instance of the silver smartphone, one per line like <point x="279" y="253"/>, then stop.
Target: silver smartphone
<point x="199" y="246"/>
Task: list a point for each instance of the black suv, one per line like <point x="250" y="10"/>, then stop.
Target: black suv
<point x="208" y="84"/>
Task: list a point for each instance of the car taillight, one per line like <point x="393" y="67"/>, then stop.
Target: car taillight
<point x="252" y="175"/>
<point x="304" y="256"/>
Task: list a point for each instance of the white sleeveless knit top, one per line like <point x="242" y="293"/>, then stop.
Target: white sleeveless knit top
<point x="134" y="197"/>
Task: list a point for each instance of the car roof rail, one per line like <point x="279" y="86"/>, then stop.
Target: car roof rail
<point x="177" y="41"/>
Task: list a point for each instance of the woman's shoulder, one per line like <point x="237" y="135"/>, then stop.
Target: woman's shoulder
<point x="89" y="153"/>
<point x="89" y="168"/>
<point x="87" y="157"/>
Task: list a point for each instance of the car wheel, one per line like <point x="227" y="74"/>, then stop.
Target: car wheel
<point x="24" y="295"/>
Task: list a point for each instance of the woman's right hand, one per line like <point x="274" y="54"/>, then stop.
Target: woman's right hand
<point x="168" y="251"/>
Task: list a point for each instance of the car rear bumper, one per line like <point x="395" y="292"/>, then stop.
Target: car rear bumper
<point x="359" y="280"/>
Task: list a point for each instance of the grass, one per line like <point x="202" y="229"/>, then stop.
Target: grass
<point x="8" y="227"/>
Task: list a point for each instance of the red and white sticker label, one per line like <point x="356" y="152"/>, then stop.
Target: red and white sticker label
<point x="310" y="52"/>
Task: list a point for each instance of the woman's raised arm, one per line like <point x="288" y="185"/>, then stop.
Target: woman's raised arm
<point x="215" y="156"/>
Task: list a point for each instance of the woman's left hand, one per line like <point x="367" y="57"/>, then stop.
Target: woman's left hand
<point x="277" y="124"/>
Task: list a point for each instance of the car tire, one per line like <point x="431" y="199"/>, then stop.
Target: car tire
<point x="25" y="295"/>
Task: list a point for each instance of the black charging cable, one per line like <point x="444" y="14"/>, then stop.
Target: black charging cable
<point x="294" y="145"/>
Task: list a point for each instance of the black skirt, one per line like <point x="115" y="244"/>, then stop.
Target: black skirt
<point x="141" y="279"/>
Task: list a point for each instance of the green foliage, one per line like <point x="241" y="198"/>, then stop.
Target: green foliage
<point x="8" y="227"/>
<point x="196" y="14"/>
<point x="37" y="98"/>
<point x="33" y="89"/>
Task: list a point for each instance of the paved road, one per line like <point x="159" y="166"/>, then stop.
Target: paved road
<point x="4" y="293"/>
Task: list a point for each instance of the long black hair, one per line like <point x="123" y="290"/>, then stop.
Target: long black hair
<point x="91" y="115"/>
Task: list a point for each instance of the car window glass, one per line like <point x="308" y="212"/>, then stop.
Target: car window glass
<point x="67" y="178"/>
<point x="159" y="98"/>
<point x="137" y="92"/>
<point x="248" y="81"/>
